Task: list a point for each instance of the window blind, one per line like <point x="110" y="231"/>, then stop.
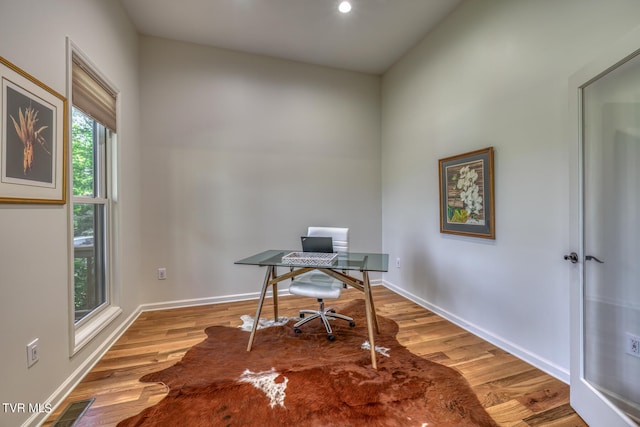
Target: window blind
<point x="92" y="95"/>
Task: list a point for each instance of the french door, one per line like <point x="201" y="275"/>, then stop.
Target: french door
<point x="605" y="288"/>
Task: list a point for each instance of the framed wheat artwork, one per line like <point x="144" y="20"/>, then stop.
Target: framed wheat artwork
<point x="466" y="194"/>
<point x="33" y="139"/>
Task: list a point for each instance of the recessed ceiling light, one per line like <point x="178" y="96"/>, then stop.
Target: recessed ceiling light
<point x="344" y="7"/>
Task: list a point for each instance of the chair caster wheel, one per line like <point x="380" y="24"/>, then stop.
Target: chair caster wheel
<point x="297" y="330"/>
<point x="331" y="337"/>
<point x="302" y="315"/>
<point x="352" y="324"/>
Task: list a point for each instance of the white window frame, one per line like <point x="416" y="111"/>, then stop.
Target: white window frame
<point x="83" y="331"/>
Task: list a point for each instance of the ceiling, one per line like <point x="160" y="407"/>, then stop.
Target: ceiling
<point x="374" y="35"/>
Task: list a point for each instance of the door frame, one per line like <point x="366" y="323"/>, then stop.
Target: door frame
<point x="587" y="401"/>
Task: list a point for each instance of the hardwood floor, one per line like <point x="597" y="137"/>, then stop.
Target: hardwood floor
<point x="513" y="392"/>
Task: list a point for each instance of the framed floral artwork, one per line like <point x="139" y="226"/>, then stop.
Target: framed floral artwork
<point x="466" y="194"/>
<point x="33" y="133"/>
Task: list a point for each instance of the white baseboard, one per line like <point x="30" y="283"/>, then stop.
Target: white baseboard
<point x="539" y="362"/>
<point x="201" y="301"/>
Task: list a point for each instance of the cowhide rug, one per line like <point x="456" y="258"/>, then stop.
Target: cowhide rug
<point x="290" y="379"/>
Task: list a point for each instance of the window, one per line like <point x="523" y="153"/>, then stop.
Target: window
<point x="90" y="214"/>
<point x="93" y="139"/>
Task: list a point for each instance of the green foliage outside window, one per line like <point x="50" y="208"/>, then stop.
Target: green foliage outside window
<point x="83" y="185"/>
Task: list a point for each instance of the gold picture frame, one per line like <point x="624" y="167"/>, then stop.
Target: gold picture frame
<point x="33" y="139"/>
<point x="466" y="194"/>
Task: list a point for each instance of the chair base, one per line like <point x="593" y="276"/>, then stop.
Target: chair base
<point x="323" y="314"/>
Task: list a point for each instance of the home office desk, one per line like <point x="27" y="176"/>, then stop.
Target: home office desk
<point x="345" y="263"/>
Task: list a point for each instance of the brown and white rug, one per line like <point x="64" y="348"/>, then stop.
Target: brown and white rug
<point x="290" y="379"/>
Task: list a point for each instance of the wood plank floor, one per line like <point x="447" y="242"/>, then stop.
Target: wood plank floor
<point x="513" y="392"/>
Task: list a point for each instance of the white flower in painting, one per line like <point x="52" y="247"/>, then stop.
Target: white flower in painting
<point x="472" y="200"/>
<point x="463" y="179"/>
<point x="473" y="175"/>
<point x="470" y="194"/>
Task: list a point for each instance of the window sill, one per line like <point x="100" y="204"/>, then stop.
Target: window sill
<point x="85" y="333"/>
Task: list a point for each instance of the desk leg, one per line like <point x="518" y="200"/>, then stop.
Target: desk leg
<point x="369" y="311"/>
<point x="256" y="320"/>
<point x="274" y="273"/>
<point x="373" y="308"/>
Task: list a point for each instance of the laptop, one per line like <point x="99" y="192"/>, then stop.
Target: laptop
<point x="317" y="244"/>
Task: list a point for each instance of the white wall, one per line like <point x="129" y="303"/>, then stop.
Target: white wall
<point x="240" y="154"/>
<point x="34" y="273"/>
<point x="495" y="73"/>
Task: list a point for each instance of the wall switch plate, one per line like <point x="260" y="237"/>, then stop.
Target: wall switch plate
<point x="162" y="273"/>
<point x="632" y="345"/>
<point x="33" y="353"/>
<point x="397" y="262"/>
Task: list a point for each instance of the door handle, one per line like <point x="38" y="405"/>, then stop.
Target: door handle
<point x="591" y="257"/>
<point x="573" y="257"/>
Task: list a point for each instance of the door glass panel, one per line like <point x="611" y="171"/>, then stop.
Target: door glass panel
<point x="611" y="109"/>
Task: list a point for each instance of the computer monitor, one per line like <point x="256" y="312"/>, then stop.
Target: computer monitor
<point x="317" y="244"/>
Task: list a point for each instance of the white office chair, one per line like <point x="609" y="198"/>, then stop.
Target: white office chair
<point x="321" y="286"/>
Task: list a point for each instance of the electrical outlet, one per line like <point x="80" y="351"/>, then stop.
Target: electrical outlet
<point x="33" y="354"/>
<point x="162" y="273"/>
<point x="632" y="345"/>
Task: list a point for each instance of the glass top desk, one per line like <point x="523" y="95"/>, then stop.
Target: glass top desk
<point x="340" y="269"/>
